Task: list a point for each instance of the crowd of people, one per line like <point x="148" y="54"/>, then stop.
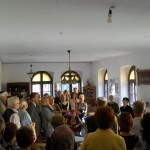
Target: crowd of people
<point x="58" y="120"/>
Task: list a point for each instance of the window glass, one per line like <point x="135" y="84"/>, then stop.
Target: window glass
<point x="36" y="78"/>
<point x="46" y="77"/>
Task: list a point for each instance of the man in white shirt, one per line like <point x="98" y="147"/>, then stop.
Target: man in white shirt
<point x="139" y="108"/>
<point x="11" y="113"/>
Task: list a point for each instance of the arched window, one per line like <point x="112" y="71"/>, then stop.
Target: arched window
<point x="71" y="86"/>
<point x="106" y="84"/>
<point x="42" y="83"/>
<point x="131" y="85"/>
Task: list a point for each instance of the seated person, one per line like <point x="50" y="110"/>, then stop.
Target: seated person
<point x="126" y="123"/>
<point x="25" y="137"/>
<point x="73" y="121"/>
<point x="82" y="106"/>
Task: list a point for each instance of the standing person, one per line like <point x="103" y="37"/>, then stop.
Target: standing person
<point x="75" y="91"/>
<point x="139" y="108"/>
<point x="126" y="107"/>
<point x="3" y="102"/>
<point x="46" y="114"/>
<point x="25" y="118"/>
<point x="144" y="144"/>
<point x="113" y="104"/>
<point x="125" y="123"/>
<point x="62" y="138"/>
<point x="103" y="138"/>
<point x="91" y="125"/>
<point x="34" y="113"/>
<point x="11" y="113"/>
<point x="58" y="97"/>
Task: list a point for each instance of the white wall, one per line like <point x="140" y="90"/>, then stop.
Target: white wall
<point x="18" y="72"/>
<point x="115" y="66"/>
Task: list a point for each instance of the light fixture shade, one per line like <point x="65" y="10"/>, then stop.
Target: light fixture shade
<point x="31" y="73"/>
<point x="69" y="78"/>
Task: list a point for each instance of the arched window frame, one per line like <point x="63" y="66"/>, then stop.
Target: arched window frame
<point x="131" y="85"/>
<point x="42" y="83"/>
<point x="70" y="87"/>
<point x="106" y="84"/>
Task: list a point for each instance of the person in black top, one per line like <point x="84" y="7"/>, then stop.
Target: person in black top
<point x="126" y="107"/>
<point x="113" y="105"/>
<point x="126" y="123"/>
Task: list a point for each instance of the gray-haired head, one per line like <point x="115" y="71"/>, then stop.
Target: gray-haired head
<point x="139" y="107"/>
<point x="62" y="138"/>
<point x="12" y="101"/>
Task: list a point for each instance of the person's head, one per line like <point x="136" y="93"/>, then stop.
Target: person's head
<point x="104" y="117"/>
<point x="2" y="127"/>
<point x="101" y="101"/>
<point x="73" y="113"/>
<point x="23" y="104"/>
<point x="13" y="102"/>
<point x="81" y="98"/>
<point x="59" y="93"/>
<point x="25" y="137"/>
<point x="63" y="97"/>
<point x="62" y="138"/>
<point x="125" y="101"/>
<point x="10" y="132"/>
<point x="125" y="122"/>
<point x="57" y="120"/>
<point x="51" y="100"/>
<point x="111" y="98"/>
<point x="34" y="97"/>
<point x="75" y="90"/>
<point x="146" y="127"/>
<point x="4" y="96"/>
<point x="139" y="108"/>
<point x="46" y="94"/>
<point x="45" y="101"/>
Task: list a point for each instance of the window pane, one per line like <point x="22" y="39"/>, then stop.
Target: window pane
<point x="36" y="88"/>
<point x="46" y="77"/>
<point x="36" y="78"/>
<point x="47" y="89"/>
<point x="65" y="87"/>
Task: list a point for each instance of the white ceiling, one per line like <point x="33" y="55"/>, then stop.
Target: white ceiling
<point x="43" y="30"/>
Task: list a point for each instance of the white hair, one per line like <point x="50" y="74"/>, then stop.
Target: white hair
<point x="12" y="100"/>
<point x="22" y="102"/>
<point x="4" y="94"/>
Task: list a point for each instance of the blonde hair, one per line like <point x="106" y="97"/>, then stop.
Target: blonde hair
<point x="44" y="99"/>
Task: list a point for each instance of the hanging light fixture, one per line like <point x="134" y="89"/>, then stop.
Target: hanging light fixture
<point x="31" y="73"/>
<point x="109" y="19"/>
<point x="69" y="77"/>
